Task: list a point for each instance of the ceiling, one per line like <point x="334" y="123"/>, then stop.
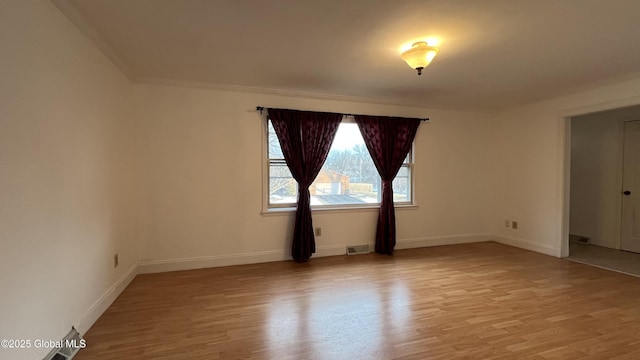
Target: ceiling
<point x="494" y="54"/>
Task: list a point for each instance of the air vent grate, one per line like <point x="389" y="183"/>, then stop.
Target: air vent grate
<point x="357" y="249"/>
<point x="578" y="239"/>
<point x="71" y="344"/>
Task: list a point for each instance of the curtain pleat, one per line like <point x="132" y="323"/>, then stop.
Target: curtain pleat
<point x="305" y="138"/>
<point x="388" y="140"/>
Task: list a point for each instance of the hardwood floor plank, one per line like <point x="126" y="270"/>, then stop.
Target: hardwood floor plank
<point x="470" y="301"/>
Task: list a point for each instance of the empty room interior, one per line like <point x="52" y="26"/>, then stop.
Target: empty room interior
<point x="472" y="193"/>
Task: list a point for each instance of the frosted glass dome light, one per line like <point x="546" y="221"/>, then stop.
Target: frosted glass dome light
<point x="419" y="55"/>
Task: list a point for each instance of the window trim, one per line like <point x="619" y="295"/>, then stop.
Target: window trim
<point x="285" y="209"/>
<point x="335" y="210"/>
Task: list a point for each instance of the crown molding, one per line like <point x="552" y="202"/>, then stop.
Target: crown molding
<point x="299" y="94"/>
<point x="581" y="89"/>
<point x="74" y="15"/>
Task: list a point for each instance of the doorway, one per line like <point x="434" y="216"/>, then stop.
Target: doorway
<point x="630" y="224"/>
<point x="602" y="219"/>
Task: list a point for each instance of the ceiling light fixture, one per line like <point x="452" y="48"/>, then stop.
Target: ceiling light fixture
<point x="419" y="55"/>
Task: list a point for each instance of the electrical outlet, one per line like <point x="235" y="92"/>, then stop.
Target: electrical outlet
<point x="514" y="225"/>
<point x="115" y="260"/>
<point x="318" y="231"/>
<point x="507" y="223"/>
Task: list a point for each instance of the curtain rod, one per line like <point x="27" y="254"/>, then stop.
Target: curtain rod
<point x="261" y="108"/>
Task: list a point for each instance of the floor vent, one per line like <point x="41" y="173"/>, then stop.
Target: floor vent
<point x="70" y="345"/>
<point x="357" y="249"/>
<point x="578" y="239"/>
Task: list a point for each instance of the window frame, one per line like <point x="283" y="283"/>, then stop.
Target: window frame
<point x="269" y="208"/>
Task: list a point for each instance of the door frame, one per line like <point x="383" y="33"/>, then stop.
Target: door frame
<point x="564" y="164"/>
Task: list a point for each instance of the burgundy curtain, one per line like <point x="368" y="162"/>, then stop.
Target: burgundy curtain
<point x="305" y="138"/>
<point x="389" y="140"/>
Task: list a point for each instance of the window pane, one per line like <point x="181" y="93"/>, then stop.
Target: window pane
<point x="283" y="189"/>
<point x="402" y="185"/>
<point x="275" y="152"/>
<point x="348" y="176"/>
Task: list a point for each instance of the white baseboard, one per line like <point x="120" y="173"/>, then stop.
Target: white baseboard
<point x="102" y="304"/>
<point x="528" y="245"/>
<point x="332" y="250"/>
<point x="146" y="267"/>
<point x="440" y="240"/>
<point x="156" y="266"/>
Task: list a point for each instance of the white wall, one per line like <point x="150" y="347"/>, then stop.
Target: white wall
<point x="74" y="191"/>
<point x="529" y="145"/>
<point x="202" y="158"/>
<point x="67" y="176"/>
<point x="596" y="174"/>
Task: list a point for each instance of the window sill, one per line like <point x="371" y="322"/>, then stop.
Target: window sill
<point x="292" y="210"/>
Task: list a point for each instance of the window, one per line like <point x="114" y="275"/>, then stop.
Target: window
<point x="348" y="177"/>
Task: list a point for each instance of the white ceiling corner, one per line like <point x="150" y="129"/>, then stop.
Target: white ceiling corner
<point x="72" y="13"/>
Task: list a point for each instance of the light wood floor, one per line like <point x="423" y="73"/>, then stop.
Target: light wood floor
<point x="472" y="301"/>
